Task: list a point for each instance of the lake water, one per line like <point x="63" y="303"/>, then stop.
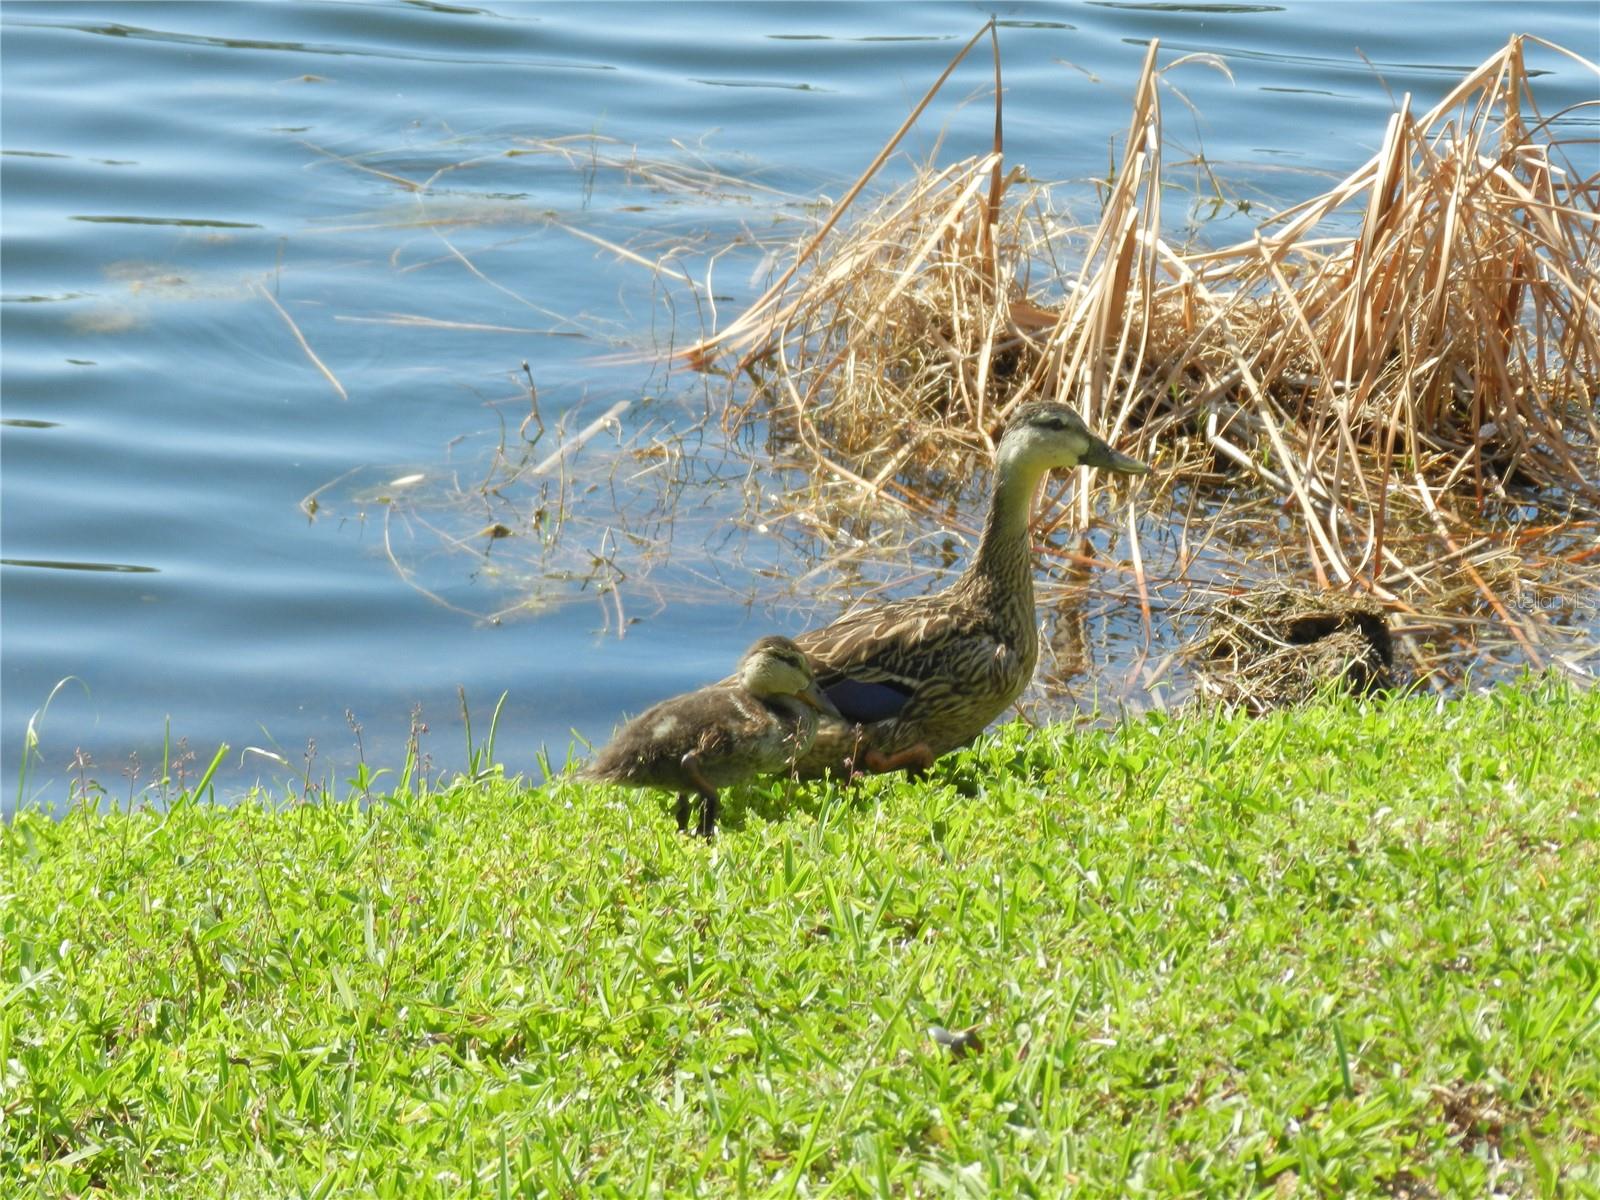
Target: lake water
<point x="255" y="253"/>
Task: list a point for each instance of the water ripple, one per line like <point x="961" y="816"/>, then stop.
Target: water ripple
<point x="136" y="33"/>
<point x="61" y="565"/>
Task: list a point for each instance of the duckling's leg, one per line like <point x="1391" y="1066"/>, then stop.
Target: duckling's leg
<point x="709" y="804"/>
<point x="683" y="812"/>
<point x="710" y="810"/>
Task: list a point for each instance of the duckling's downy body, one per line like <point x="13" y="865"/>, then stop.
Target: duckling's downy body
<point x="918" y="678"/>
<point x="757" y="723"/>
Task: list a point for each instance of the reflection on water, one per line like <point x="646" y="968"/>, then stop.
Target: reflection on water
<point x="189" y="222"/>
<point x="124" y="568"/>
<point x="216" y="213"/>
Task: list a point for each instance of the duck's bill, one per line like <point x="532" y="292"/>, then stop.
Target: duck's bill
<point x="1103" y="456"/>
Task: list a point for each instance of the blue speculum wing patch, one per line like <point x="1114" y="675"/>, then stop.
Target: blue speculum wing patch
<point x="865" y="702"/>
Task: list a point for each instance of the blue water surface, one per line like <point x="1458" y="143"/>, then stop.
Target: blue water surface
<point x="204" y="202"/>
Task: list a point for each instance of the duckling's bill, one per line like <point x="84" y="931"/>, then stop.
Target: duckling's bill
<point x="818" y="699"/>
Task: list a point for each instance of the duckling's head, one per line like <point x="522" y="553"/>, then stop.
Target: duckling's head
<point x="775" y="666"/>
<point x="1045" y="434"/>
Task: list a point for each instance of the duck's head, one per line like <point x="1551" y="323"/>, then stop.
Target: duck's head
<point x="1045" y="434"/>
<point x="775" y="666"/>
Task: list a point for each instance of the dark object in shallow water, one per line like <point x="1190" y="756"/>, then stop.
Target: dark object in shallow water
<point x="1277" y="645"/>
<point x="756" y="723"/>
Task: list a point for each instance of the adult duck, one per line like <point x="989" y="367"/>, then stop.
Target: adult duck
<point x="757" y="723"/>
<point x="918" y="678"/>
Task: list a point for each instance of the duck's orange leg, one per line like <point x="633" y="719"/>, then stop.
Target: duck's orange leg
<point x="914" y="759"/>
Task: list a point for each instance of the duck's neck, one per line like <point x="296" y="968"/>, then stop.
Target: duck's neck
<point x="1003" y="567"/>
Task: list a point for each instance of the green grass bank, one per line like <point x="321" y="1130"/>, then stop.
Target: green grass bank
<point x="1344" y="951"/>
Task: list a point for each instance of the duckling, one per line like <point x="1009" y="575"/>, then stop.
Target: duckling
<point x="756" y="723"/>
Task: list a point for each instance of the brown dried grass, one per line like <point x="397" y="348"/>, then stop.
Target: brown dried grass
<point x="1409" y="390"/>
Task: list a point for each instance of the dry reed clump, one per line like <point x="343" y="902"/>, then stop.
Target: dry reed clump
<point x="1281" y="644"/>
<point x="1410" y="390"/>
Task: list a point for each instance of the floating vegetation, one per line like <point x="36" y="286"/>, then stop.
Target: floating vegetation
<point x="1405" y="367"/>
<point x="1387" y="393"/>
<point x="585" y="502"/>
